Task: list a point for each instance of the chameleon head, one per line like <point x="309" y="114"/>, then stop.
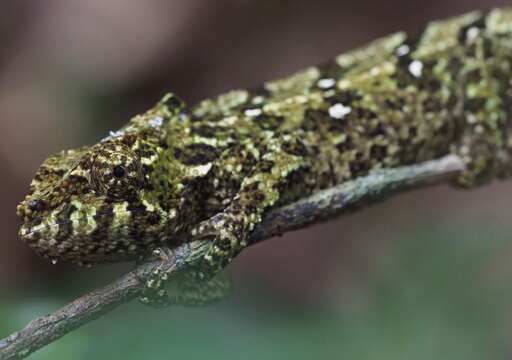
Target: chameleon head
<point x="102" y="203"/>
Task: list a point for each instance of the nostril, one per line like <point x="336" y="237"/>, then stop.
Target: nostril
<point x="35" y="205"/>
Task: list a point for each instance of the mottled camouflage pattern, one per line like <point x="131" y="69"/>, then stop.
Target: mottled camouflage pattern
<point x="212" y="171"/>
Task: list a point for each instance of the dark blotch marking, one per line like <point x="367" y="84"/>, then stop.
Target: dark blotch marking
<point x="345" y="145"/>
<point x="378" y="129"/>
<point x="295" y="147"/>
<point x="136" y="207"/>
<point x="103" y="218"/>
<point x="153" y="218"/>
<point x="432" y="105"/>
<point x="205" y="131"/>
<point x="129" y="140"/>
<point x="360" y="166"/>
<point x="331" y="70"/>
<point x="65" y="226"/>
<point x="174" y="102"/>
<point x="479" y="23"/>
<point x="344" y="97"/>
<point x="35" y="205"/>
<point x="378" y="152"/>
<point x="402" y="75"/>
<point x="395" y="103"/>
<point x="264" y="166"/>
<point x="196" y="154"/>
<point x="475" y="105"/>
<point x="268" y="122"/>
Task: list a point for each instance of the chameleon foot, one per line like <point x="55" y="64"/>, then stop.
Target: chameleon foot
<point x="227" y="239"/>
<point x="186" y="290"/>
<point x="191" y="288"/>
<point x="155" y="294"/>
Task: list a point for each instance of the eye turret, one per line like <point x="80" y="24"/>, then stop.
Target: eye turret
<point x="116" y="172"/>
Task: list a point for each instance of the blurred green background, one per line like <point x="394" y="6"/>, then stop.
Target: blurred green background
<point x="424" y="275"/>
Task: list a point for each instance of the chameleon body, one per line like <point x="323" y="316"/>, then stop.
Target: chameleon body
<point x="211" y="171"/>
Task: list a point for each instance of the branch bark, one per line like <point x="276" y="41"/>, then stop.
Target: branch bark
<point x="318" y="207"/>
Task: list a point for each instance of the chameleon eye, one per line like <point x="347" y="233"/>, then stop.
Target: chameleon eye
<point x="119" y="171"/>
<point x="116" y="172"/>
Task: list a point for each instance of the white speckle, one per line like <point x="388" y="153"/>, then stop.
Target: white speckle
<point x="344" y="84"/>
<point x="116" y="133"/>
<point x="339" y="111"/>
<point x="257" y="99"/>
<point x="471" y="118"/>
<point x="403" y="50"/>
<point x="375" y="71"/>
<point x="113" y="134"/>
<point x="472" y="33"/>
<point x="329" y="93"/>
<point x="199" y="170"/>
<point x="326" y="83"/>
<point x="156" y="121"/>
<point x="24" y="352"/>
<point x="252" y="112"/>
<point x="416" y="68"/>
<point x="228" y="121"/>
<point x="54" y="261"/>
<point x="464" y="150"/>
<point x="149" y="207"/>
<point x="149" y="160"/>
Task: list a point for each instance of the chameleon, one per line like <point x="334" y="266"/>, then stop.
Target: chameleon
<point x="211" y="171"/>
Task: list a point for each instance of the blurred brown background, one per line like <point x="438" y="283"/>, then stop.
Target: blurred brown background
<point x="72" y="71"/>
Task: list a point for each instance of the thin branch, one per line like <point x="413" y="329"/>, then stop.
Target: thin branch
<point x="316" y="208"/>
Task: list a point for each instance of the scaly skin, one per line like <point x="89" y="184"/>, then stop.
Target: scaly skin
<point x="211" y="171"/>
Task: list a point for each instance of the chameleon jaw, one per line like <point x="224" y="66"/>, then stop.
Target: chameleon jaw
<point x="80" y="251"/>
<point x="67" y="233"/>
